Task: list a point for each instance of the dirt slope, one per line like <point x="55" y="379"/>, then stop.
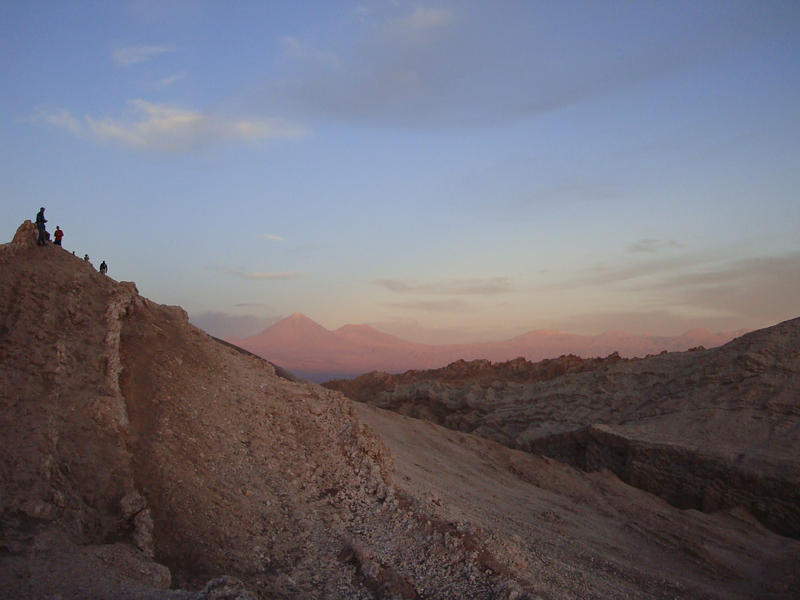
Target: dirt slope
<point x="138" y="453"/>
<point x="568" y="534"/>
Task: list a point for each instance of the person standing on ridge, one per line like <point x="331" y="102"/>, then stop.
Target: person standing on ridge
<point x="40" y="221"/>
<point x="103" y="267"/>
<point x="58" y="235"/>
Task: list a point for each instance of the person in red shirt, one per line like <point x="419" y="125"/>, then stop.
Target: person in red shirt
<point x="59" y="234"/>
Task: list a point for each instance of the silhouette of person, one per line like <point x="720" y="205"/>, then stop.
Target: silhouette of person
<point x="86" y="257"/>
<point x="40" y="221"/>
<point x="103" y="267"/>
<point x="58" y="235"/>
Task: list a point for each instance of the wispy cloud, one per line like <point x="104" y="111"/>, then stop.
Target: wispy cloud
<point x="426" y="18"/>
<point x="166" y="82"/>
<point x="765" y="288"/>
<point x="386" y="71"/>
<point x="257" y="275"/>
<point x="466" y="64"/>
<point x="283" y="275"/>
<point x="294" y="49"/>
<point x="651" y="245"/>
<point x="451" y="305"/>
<point x="454" y="287"/>
<point x="275" y="238"/>
<point x="655" y="270"/>
<point x="58" y="117"/>
<point x="171" y="128"/>
<point x="686" y="293"/>
<point x="131" y="55"/>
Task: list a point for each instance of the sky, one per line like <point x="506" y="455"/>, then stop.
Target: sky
<point x="444" y="171"/>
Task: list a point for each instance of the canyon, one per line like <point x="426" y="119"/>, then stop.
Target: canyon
<point x="142" y="458"/>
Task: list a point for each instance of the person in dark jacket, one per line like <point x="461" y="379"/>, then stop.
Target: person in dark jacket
<point x="103" y="267"/>
<point x="40" y="221"/>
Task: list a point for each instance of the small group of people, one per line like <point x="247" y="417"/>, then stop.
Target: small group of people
<point x="44" y="237"/>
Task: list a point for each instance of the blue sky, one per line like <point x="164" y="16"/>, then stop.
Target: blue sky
<point x="448" y="171"/>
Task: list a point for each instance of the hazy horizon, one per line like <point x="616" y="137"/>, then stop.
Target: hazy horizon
<point x="445" y="172"/>
<point x="229" y="328"/>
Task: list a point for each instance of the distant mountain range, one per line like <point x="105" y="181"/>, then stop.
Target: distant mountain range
<point x="304" y="347"/>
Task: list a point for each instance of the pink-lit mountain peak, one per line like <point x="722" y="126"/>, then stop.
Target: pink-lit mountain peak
<point x="296" y="328"/>
<point x="299" y="317"/>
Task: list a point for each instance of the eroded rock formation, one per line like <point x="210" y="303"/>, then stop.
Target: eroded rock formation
<point x="704" y="429"/>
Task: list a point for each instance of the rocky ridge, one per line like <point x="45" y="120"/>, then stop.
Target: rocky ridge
<point x="704" y="429"/>
<point x="128" y="433"/>
<point x="141" y="458"/>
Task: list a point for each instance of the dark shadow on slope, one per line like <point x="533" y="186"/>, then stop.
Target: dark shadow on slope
<point x="687" y="478"/>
